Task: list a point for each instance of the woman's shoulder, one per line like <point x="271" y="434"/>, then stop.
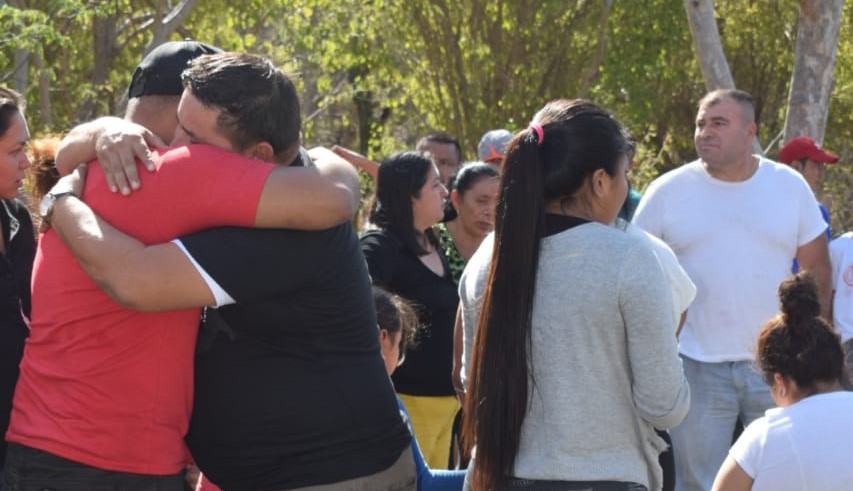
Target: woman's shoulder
<point x="599" y="235"/>
<point x="16" y="207"/>
<point x="380" y="237"/>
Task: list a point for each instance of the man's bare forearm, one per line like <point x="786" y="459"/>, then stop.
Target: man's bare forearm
<point x="148" y="278"/>
<point x="814" y="258"/>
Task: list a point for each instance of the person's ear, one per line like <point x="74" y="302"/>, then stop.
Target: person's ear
<point x="455" y="198"/>
<point x="782" y="383"/>
<point x="599" y="180"/>
<point x="261" y="151"/>
<point x="384" y="341"/>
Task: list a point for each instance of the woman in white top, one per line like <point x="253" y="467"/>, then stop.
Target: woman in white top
<point x="805" y="443"/>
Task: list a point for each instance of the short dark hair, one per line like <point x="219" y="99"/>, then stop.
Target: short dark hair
<point x="258" y="101"/>
<point x="10" y="103"/>
<point x="742" y="98"/>
<point x="798" y="343"/>
<point x="401" y="177"/>
<point x="442" y="137"/>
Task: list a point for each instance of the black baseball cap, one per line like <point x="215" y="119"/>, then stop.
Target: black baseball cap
<point x="159" y="73"/>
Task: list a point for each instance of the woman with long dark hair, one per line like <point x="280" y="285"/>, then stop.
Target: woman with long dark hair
<point x="804" y="444"/>
<point x="17" y="250"/>
<point x="574" y="360"/>
<point x="404" y="256"/>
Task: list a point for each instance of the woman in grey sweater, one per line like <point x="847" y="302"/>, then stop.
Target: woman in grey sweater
<point x="574" y="361"/>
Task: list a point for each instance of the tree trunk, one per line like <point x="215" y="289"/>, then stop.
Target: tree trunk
<point x="44" y="91"/>
<point x="165" y="26"/>
<point x="20" y="77"/>
<point x="709" y="48"/>
<point x="103" y="39"/>
<point x="814" y="63"/>
<point x="591" y="73"/>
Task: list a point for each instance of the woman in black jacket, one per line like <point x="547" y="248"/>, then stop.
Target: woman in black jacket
<point x="17" y="250"/>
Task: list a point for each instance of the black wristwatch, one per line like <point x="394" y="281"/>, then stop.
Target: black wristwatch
<point x="46" y="206"/>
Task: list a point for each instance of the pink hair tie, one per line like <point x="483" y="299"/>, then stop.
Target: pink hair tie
<point x="540" y="133"/>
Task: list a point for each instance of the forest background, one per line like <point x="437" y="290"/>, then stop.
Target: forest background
<point x="375" y="75"/>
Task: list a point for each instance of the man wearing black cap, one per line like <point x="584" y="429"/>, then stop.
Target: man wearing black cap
<point x="105" y="393"/>
<point x="153" y="95"/>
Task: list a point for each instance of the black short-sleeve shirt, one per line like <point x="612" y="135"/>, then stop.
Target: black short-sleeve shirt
<point x="428" y="366"/>
<point x="292" y="391"/>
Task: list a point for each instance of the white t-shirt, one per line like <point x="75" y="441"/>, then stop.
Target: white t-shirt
<point x="841" y="254"/>
<point x="682" y="288"/>
<point x="736" y="241"/>
<point x="471" y="285"/>
<point x="807" y="446"/>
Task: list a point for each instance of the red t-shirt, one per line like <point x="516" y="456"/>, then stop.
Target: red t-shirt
<point x="104" y="385"/>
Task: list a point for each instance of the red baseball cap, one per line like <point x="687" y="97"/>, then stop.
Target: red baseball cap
<point x="803" y="147"/>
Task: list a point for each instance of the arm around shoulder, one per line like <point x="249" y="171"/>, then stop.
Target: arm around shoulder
<point x="140" y="277"/>
<point x="310" y="198"/>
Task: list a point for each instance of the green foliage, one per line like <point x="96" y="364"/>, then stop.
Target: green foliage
<point x="375" y="75"/>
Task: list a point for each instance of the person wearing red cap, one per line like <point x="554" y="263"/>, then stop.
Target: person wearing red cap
<point x="807" y="157"/>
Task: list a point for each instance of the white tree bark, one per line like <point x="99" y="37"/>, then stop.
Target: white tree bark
<point x="165" y="26"/>
<point x="21" y="60"/>
<point x="709" y="48"/>
<point x="20" y="77"/>
<point x="44" y="90"/>
<point x="814" y="63"/>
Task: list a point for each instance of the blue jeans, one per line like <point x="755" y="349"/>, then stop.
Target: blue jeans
<point x="721" y="393"/>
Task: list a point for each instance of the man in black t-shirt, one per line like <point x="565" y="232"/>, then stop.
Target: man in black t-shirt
<point x="299" y="351"/>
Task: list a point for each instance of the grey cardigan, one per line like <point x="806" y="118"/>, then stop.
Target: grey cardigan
<point x="604" y="357"/>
